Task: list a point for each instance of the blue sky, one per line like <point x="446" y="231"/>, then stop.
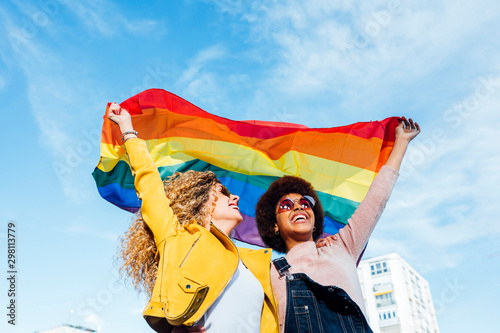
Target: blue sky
<point x="319" y="63"/>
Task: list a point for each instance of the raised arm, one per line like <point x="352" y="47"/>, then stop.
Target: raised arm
<point x="405" y="132"/>
<point x="155" y="208"/>
<point x="361" y="224"/>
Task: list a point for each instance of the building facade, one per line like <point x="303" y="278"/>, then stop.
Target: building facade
<point x="397" y="298"/>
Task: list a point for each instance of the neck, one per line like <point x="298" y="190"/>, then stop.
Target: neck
<point x="291" y="243"/>
<point x="224" y="226"/>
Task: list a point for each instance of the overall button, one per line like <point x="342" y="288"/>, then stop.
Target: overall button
<point x="290" y="277"/>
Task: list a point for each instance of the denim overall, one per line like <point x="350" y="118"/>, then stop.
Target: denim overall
<point x="314" y="308"/>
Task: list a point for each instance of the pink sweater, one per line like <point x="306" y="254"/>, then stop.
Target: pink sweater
<point x="336" y="265"/>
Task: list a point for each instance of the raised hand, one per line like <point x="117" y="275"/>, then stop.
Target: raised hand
<point x="122" y="118"/>
<point x="405" y="132"/>
<point x="407" y="129"/>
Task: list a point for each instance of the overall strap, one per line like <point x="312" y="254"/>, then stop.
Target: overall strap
<point x="282" y="266"/>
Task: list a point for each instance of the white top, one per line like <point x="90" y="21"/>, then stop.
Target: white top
<point x="238" y="308"/>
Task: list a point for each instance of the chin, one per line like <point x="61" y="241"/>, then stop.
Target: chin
<point x="304" y="232"/>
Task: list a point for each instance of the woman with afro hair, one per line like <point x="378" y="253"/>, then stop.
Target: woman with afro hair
<point x="317" y="289"/>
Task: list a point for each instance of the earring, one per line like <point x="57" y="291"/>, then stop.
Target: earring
<point x="276" y="232"/>
<point x="314" y="229"/>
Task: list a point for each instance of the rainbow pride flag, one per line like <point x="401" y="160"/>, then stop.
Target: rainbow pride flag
<point x="247" y="156"/>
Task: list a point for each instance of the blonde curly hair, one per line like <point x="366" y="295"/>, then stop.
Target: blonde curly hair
<point x="188" y="193"/>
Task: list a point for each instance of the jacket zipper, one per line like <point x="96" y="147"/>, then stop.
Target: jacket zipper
<point x="237" y="253"/>
<point x="191" y="249"/>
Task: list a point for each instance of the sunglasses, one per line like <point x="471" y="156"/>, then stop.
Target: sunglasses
<point x="287" y="204"/>
<point x="225" y="191"/>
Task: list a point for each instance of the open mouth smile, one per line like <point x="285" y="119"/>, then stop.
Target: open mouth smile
<point x="300" y="218"/>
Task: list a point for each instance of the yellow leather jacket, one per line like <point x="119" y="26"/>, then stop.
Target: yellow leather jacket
<point x="194" y="264"/>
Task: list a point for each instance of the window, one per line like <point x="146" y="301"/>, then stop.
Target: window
<point x="384" y="300"/>
<point x="378" y="268"/>
<point x="386" y="315"/>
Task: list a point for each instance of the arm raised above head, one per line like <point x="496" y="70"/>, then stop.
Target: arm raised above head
<point x="155" y="208"/>
<point x="361" y="224"/>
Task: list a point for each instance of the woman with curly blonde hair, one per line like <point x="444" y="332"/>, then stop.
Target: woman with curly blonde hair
<point x="188" y="194"/>
<point x="179" y="252"/>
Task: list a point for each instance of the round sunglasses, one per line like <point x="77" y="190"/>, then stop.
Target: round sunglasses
<point x="287" y="204"/>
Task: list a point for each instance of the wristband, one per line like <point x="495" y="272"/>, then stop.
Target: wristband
<point x="129" y="132"/>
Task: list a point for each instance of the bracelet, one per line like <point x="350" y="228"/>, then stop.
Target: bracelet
<point x="129" y="132"/>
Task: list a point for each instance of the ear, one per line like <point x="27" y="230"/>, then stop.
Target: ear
<point x="207" y="223"/>
<point x="214" y="203"/>
<point x="276" y="229"/>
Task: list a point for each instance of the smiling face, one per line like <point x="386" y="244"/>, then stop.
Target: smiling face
<point x="226" y="214"/>
<point x="294" y="223"/>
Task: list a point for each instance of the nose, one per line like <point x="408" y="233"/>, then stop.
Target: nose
<point x="234" y="198"/>
<point x="297" y="205"/>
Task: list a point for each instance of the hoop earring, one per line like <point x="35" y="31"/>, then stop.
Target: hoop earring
<point x="314" y="229"/>
<point x="276" y="232"/>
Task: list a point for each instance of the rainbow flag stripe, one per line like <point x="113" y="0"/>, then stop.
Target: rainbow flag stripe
<point x="247" y="156"/>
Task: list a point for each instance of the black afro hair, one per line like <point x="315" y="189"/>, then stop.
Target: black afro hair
<point x="266" y="209"/>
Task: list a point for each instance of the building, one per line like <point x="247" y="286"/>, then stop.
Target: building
<point x="397" y="298"/>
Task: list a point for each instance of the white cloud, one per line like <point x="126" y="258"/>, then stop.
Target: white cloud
<point x="93" y="15"/>
<point x="54" y="94"/>
<point x="362" y="56"/>
<point x="447" y="203"/>
<point x="233" y="7"/>
<point x="106" y="18"/>
<point x="201" y="59"/>
<point x="201" y="83"/>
